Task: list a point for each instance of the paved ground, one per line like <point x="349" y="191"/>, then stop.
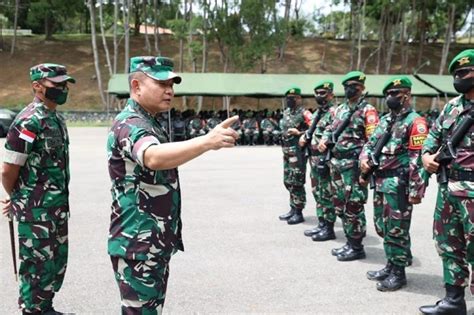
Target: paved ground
<point x="239" y="257"/>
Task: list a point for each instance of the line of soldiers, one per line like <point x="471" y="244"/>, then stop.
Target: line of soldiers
<point x="350" y="146"/>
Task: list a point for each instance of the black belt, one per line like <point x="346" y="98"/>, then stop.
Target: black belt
<point x="346" y="155"/>
<point x="397" y="172"/>
<point x="461" y="175"/>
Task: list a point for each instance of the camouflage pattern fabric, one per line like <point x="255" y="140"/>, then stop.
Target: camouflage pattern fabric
<point x="350" y="196"/>
<point x="269" y="130"/>
<point x="43" y="251"/>
<point x="294" y="160"/>
<point x="195" y="128"/>
<point x="142" y="284"/>
<point x="212" y="123"/>
<point x="146" y="208"/>
<point x="453" y="227"/>
<point x="251" y="130"/>
<point x="237" y="126"/>
<point x="321" y="183"/>
<point x="38" y="142"/>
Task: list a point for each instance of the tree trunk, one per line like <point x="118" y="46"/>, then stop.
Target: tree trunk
<point x="391" y="47"/>
<point x="15" y="26"/>
<point x="116" y="17"/>
<point x="147" y="40"/>
<point x="156" y="31"/>
<point x="404" y="46"/>
<point x="91" y="5"/>
<point x="104" y="41"/>
<point x="136" y="11"/>
<point x="447" y="37"/>
<point x="190" y="36"/>
<point x="352" y="37"/>
<point x="361" y="31"/>
<point x="381" y="40"/>
<point x="286" y="21"/>
<point x="422" y="28"/>
<point x="126" y="13"/>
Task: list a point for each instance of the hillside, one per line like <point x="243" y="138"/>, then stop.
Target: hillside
<point x="302" y="56"/>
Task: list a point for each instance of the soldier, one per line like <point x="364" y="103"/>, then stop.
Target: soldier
<point x="268" y="126"/>
<point x="179" y="127"/>
<point x="294" y="123"/>
<point x="212" y="122"/>
<point x="355" y="120"/>
<point x="251" y="129"/>
<point x="395" y="147"/>
<point x="453" y="228"/>
<point x="36" y="178"/>
<point x="145" y="227"/>
<point x="237" y="126"/>
<point x="320" y="179"/>
<point x="195" y="127"/>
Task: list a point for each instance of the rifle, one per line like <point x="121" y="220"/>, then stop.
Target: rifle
<point x="308" y="135"/>
<point x="447" y="151"/>
<point x="322" y="165"/>
<point x="374" y="156"/>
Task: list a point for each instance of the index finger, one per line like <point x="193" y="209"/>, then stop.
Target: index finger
<point x="229" y="121"/>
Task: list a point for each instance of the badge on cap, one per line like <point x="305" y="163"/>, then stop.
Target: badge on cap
<point x="326" y="85"/>
<point x="362" y="77"/>
<point x="463" y="61"/>
<point x="397" y="82"/>
<point x="292" y="91"/>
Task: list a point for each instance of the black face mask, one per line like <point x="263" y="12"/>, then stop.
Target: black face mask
<point x="463" y="85"/>
<point x="394" y="102"/>
<point x="350" y="91"/>
<point x="321" y="100"/>
<point x="291" y="102"/>
<point x="58" y="96"/>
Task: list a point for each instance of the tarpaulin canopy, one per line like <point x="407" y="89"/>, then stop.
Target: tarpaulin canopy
<point x="264" y="85"/>
<point x="441" y="83"/>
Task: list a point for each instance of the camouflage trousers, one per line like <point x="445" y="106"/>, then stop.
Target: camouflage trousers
<point x="453" y="232"/>
<point x="349" y="198"/>
<point x="193" y="133"/>
<point x="294" y="175"/>
<point x="43" y="251"/>
<point x="322" y="192"/>
<point x="269" y="136"/>
<point x="393" y="225"/>
<point x="250" y="136"/>
<point x="142" y="284"/>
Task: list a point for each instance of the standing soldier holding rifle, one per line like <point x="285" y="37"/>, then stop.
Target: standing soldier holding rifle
<point x="320" y="180"/>
<point x="294" y="123"/>
<point x="392" y="158"/>
<point x="448" y="151"/>
<point x="342" y="142"/>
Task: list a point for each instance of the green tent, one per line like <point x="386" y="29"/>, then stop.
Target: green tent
<point x="441" y="83"/>
<point x="264" y="85"/>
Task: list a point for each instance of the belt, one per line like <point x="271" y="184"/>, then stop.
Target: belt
<point x="461" y="175"/>
<point x="397" y="172"/>
<point x="346" y="155"/>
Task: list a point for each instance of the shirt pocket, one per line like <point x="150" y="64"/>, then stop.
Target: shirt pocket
<point x="35" y="241"/>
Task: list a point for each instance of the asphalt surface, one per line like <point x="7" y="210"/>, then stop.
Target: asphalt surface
<point x="239" y="257"/>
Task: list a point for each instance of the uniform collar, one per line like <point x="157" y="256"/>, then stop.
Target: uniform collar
<point x="139" y="109"/>
<point x="45" y="109"/>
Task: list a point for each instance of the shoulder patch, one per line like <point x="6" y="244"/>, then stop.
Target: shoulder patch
<point x="307" y="117"/>
<point x="418" y="133"/>
<point x="371" y="121"/>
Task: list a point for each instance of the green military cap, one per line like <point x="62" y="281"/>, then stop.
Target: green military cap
<point x="398" y="82"/>
<point x="324" y="84"/>
<point x="358" y="76"/>
<point x="50" y="71"/>
<point x="158" y="68"/>
<point x="464" y="59"/>
<point x="293" y="90"/>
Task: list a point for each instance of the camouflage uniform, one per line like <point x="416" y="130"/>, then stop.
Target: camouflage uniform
<point x="195" y="127"/>
<point x="38" y="141"/>
<point x="399" y="168"/>
<point x="145" y="227"/>
<point x="237" y="126"/>
<point x="453" y="228"/>
<point x="212" y="123"/>
<point x="251" y="130"/>
<point x="269" y="130"/>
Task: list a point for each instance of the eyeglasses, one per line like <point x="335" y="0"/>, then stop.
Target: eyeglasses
<point x="461" y="73"/>
<point x="320" y="92"/>
<point x="392" y="93"/>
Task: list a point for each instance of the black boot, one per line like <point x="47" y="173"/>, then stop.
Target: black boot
<point x="297" y="217"/>
<point x="452" y="304"/>
<point x="381" y="274"/>
<point x="316" y="229"/>
<point x="286" y="216"/>
<point x="326" y="233"/>
<point x="396" y="280"/>
<point x="340" y="250"/>
<point x="355" y="251"/>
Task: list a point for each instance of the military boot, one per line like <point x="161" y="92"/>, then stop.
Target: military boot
<point x="286" y="216"/>
<point x="381" y="274"/>
<point x="316" y="229"/>
<point x="297" y="217"/>
<point x="355" y="251"/>
<point x="340" y="250"/>
<point x="452" y="304"/>
<point x="326" y="233"/>
<point x="396" y="280"/>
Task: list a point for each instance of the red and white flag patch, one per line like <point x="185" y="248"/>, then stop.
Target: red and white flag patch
<point x="27" y="135"/>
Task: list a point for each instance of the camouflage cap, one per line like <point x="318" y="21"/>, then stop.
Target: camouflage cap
<point x="398" y="82"/>
<point x="50" y="71"/>
<point x="358" y="76"/>
<point x="464" y="59"/>
<point x="324" y="84"/>
<point x="293" y="90"/>
<point x="158" y="68"/>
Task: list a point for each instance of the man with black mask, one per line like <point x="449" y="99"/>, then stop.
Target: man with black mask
<point x="395" y="146"/>
<point x="320" y="179"/>
<point x="356" y="119"/>
<point x="294" y="123"/>
<point x="453" y="227"/>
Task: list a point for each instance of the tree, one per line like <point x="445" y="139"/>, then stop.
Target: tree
<point x="15" y="26"/>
